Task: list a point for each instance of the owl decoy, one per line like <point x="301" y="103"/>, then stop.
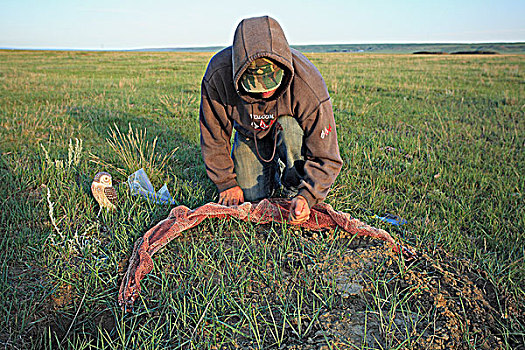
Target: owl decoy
<point x="103" y="191"/>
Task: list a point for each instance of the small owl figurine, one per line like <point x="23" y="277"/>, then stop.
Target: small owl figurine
<point x="103" y="191"/>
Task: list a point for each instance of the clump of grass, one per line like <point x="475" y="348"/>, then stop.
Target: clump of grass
<point x="184" y="105"/>
<point x="74" y="156"/>
<point x="58" y="176"/>
<point x="135" y="152"/>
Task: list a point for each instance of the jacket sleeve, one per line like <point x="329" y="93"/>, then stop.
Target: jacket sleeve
<point x="216" y="130"/>
<point x="322" y="159"/>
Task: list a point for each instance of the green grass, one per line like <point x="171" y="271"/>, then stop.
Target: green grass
<point x="438" y="141"/>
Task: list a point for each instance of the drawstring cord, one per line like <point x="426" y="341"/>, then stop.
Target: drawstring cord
<point x="275" y="129"/>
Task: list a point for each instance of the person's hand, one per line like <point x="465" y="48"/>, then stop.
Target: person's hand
<point x="231" y="196"/>
<point x="299" y="210"/>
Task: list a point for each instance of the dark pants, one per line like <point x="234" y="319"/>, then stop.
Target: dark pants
<point x="259" y="179"/>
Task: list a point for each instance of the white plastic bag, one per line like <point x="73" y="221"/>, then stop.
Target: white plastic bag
<point x="140" y="184"/>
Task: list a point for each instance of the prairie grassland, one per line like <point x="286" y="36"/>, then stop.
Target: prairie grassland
<point x="438" y="141"/>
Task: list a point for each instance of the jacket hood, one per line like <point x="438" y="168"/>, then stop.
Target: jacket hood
<point x="260" y="37"/>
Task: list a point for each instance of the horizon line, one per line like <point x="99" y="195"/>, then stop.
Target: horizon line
<point x="223" y="46"/>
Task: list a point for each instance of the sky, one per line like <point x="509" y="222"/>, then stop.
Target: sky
<point x="136" y="24"/>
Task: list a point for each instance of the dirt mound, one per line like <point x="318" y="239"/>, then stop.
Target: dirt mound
<point x="428" y="304"/>
<point x="385" y="302"/>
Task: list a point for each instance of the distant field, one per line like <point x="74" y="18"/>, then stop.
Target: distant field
<point x="502" y="48"/>
<point x="437" y="140"/>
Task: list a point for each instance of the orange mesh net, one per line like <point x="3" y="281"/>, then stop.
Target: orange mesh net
<point x="181" y="218"/>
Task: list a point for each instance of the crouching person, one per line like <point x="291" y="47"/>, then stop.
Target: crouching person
<point x="285" y="142"/>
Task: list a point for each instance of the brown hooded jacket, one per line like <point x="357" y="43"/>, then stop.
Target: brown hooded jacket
<point x="302" y="94"/>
